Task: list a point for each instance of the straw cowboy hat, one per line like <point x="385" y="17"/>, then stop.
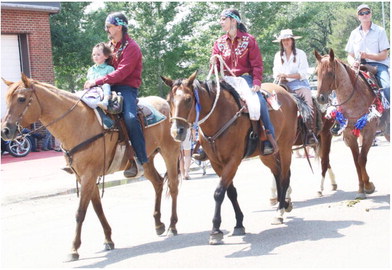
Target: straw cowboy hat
<point x="286" y="33"/>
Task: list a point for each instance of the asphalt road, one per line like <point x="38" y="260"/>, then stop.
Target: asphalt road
<point x="37" y="219"/>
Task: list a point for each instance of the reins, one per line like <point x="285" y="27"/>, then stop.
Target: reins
<point x="352" y="92"/>
<point x="214" y="68"/>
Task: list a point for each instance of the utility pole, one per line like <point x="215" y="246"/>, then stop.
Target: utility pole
<point x="383" y="14"/>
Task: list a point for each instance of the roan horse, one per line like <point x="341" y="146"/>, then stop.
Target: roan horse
<point x="73" y="122"/>
<point x="355" y="100"/>
<point x="226" y="149"/>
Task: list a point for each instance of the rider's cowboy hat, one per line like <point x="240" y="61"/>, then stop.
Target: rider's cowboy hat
<point x="286" y="33"/>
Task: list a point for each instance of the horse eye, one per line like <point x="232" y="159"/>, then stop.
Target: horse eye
<point x="21" y="99"/>
<point x="188" y="100"/>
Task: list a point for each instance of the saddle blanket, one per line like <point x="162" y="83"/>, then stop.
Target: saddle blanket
<point x="151" y="115"/>
<point x="250" y="97"/>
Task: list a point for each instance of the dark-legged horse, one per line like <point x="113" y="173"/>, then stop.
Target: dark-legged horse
<point x="226" y="149"/>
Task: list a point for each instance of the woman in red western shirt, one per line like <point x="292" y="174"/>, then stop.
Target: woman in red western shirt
<point x="241" y="53"/>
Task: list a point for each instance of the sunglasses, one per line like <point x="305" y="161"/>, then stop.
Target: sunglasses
<point x="364" y="13"/>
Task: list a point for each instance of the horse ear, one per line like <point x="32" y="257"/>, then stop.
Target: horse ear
<point x="26" y="80"/>
<point x="331" y="55"/>
<point x="8" y="83"/>
<point x="192" y="78"/>
<point x="167" y="81"/>
<point x="318" y="56"/>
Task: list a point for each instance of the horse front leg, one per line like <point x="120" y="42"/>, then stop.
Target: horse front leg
<point x="86" y="190"/>
<point x="239" y="228"/>
<point x="352" y="143"/>
<point x="216" y="236"/>
<point x="157" y="181"/>
<point x="96" y="201"/>
<point x="172" y="175"/>
<point x="368" y="187"/>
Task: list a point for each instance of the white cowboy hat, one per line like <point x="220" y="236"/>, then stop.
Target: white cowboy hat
<point x="286" y="33"/>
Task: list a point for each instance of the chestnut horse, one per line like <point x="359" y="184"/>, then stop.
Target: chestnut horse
<point x="73" y="122"/>
<point x="225" y="144"/>
<point x="354" y="101"/>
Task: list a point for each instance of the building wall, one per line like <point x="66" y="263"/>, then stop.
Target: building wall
<point x="35" y="24"/>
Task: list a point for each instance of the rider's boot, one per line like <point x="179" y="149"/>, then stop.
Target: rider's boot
<point x="311" y="137"/>
<point x="270" y="146"/>
<point x="136" y="170"/>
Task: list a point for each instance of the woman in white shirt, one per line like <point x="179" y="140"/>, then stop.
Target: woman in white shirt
<point x="291" y="69"/>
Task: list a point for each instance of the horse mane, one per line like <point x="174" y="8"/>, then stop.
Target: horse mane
<point x="210" y="86"/>
<point x="47" y="86"/>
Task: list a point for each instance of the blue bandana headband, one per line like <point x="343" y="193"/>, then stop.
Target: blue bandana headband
<point x="232" y="15"/>
<point x="115" y="21"/>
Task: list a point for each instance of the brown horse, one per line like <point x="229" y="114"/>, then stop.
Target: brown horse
<point x="72" y="122"/>
<point x="322" y="150"/>
<point x="226" y="146"/>
<point x="354" y="101"/>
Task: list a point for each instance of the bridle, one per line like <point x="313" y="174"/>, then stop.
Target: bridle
<point x="336" y="85"/>
<point x="33" y="92"/>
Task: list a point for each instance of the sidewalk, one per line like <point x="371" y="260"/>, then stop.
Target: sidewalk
<point x="39" y="175"/>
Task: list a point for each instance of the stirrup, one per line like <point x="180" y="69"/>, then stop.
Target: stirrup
<point x="135" y="171"/>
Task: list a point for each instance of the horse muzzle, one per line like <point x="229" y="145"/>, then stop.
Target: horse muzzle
<point x="8" y="134"/>
<point x="322" y="98"/>
<point x="178" y="132"/>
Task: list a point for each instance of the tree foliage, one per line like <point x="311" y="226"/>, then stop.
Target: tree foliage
<point x="176" y="38"/>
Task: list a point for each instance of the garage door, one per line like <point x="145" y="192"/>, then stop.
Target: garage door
<point x="10" y="64"/>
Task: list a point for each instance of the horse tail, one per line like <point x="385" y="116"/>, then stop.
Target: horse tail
<point x="304" y="109"/>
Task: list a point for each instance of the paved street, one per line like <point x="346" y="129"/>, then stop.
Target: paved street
<point x="38" y="208"/>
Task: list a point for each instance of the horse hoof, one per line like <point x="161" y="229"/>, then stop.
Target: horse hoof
<point x="172" y="232"/>
<point x="108" y="246"/>
<point x="320" y="194"/>
<point x="334" y="187"/>
<point x="273" y="201"/>
<point x="277" y="221"/>
<point x="371" y="189"/>
<point x="160" y="229"/>
<point x="73" y="257"/>
<point x="216" y="238"/>
<point x="238" y="231"/>
<point x="288" y="208"/>
<point x="360" y="196"/>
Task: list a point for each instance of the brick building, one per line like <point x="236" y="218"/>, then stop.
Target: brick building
<point x="25" y="42"/>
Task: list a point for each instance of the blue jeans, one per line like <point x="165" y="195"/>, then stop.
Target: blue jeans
<point x="383" y="77"/>
<point x="264" y="114"/>
<point x="132" y="123"/>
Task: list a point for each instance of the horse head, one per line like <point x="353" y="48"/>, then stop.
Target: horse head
<point x="21" y="108"/>
<point x="325" y="76"/>
<point x="182" y="105"/>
